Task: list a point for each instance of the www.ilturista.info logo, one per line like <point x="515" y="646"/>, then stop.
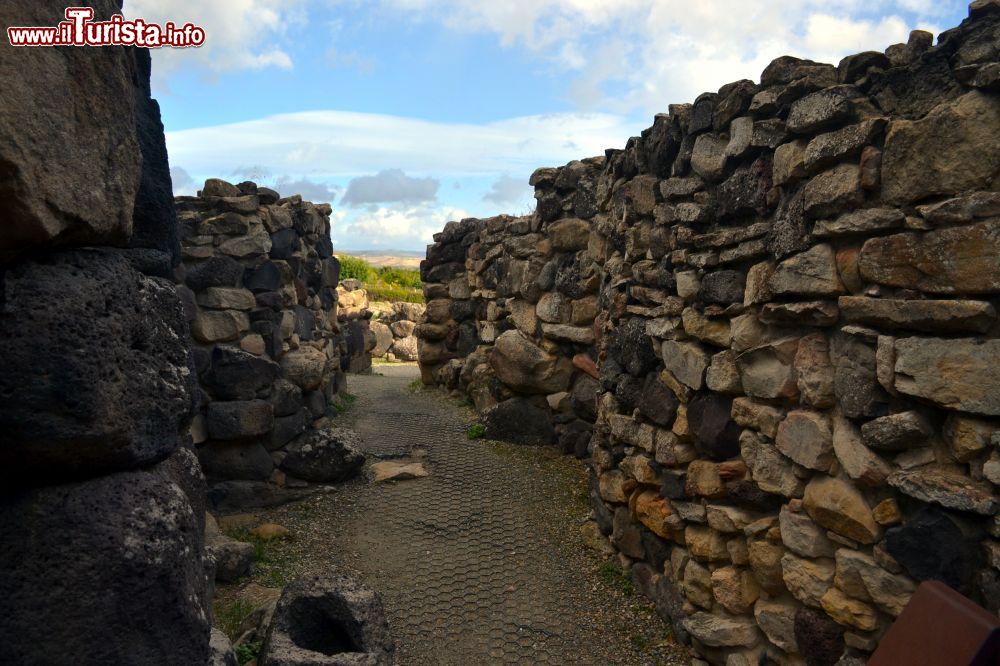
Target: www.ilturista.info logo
<point x="80" y="30"/>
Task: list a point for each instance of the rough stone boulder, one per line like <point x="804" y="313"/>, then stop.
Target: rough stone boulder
<point x="525" y="367"/>
<point x="233" y="559"/>
<point x="104" y="570"/>
<point x="328" y="621"/>
<point x="95" y="364"/>
<point x="383" y="338"/>
<point x="405" y="349"/>
<point x="239" y="375"/>
<point x="324" y="455"/>
<point x="71" y="162"/>
<point x="304" y="367"/>
<point x="520" y="421"/>
<point x="951" y="150"/>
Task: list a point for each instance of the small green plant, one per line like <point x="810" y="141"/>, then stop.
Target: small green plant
<point x="476" y="431"/>
<point x="344" y="401"/>
<point x="617" y="579"/>
<point x="416" y="386"/>
<point x="247" y="652"/>
<point x="230" y="614"/>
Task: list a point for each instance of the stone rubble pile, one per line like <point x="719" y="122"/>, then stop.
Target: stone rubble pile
<point x="261" y="290"/>
<point x="103" y="500"/>
<point x="771" y="321"/>
<point x="394" y="326"/>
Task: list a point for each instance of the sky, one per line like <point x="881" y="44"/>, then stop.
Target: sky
<point x="405" y="114"/>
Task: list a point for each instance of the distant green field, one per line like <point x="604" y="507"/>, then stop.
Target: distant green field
<point x="383" y="284"/>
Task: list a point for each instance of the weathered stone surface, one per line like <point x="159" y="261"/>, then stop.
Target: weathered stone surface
<point x="861" y="577"/>
<point x="814" y="371"/>
<point x="304" y="367"/>
<point x="658" y="403"/>
<point x="757" y="415"/>
<point x="768" y="371"/>
<point x="947" y="152"/>
<point x="726" y="286"/>
<point x="897" y="432"/>
<point x="722" y="375"/>
<point x="687" y="361"/>
<point x="808" y="313"/>
<point x="569" y="235"/>
<point x="807" y="580"/>
<point x="73" y="161"/>
<point x="107" y="538"/>
<point x="328" y="620"/>
<point x="840" y="507"/>
<point x="789" y="162"/>
<point x="820" y="639"/>
<point x="777" y="620"/>
<point x="863" y="221"/>
<point x="855" y="381"/>
<point x="654" y="512"/>
<point x="948" y="489"/>
<point x="324" y="456"/>
<point x="233" y="559"/>
<point x="709" y="157"/>
<point x="221" y="650"/>
<point x="957" y="260"/>
<point x="936" y="545"/>
<point x="773" y="472"/>
<point x="219" y="325"/>
<point x="722" y="631"/>
<point x="383" y="338"/>
<point x="959" y="374"/>
<point x="833" y="191"/>
<point x="735" y="589"/>
<point x="822" y="109"/>
<point x="239" y="419"/>
<point x="392" y="470"/>
<point x="238" y="375"/>
<point x="805" y="437"/>
<point x="703" y="480"/>
<point x="933" y="316"/>
<point x="962" y="209"/>
<point x="525" y="367"/>
<point x="95" y="367"/>
<point x="849" y="612"/>
<point x="715" y="434"/>
<point x="579" y="335"/>
<point x="712" y="331"/>
<point x="968" y="437"/>
<point x="810" y="273"/>
<point x="860" y="463"/>
<point x="235" y="460"/>
<point x="846" y="142"/>
<point x="802" y="535"/>
<point x="519" y="421"/>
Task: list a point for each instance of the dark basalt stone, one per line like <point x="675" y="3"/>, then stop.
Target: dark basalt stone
<point x="715" y="434"/>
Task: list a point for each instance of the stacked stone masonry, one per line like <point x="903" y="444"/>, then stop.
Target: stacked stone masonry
<point x="102" y="502"/>
<point x="771" y="322"/>
<point x="394" y="326"/>
<point x="261" y="290"/>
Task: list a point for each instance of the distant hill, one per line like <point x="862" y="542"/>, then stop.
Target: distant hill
<point x="387" y="258"/>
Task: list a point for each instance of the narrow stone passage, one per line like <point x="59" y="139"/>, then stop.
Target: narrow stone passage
<point x="482" y="561"/>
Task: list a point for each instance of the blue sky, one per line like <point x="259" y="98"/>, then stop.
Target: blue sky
<point x="405" y="114"/>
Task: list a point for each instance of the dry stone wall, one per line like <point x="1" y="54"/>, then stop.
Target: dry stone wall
<point x="271" y="347"/>
<point x="394" y="326"/>
<point x="773" y="316"/>
<point x="102" y="501"/>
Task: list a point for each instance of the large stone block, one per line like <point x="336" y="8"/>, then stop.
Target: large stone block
<point x="957" y="260"/>
<point x="72" y="163"/>
<point x="105" y="570"/>
<point x="525" y="367"/>
<point x="951" y="150"/>
<point x="962" y="374"/>
<point x="95" y="365"/>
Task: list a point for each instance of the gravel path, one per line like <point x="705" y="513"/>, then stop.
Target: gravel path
<point x="480" y="562"/>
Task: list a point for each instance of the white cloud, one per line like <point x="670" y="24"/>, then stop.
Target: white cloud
<point x="645" y="54"/>
<point x="183" y="183"/>
<point x="507" y="190"/>
<point x="390" y="185"/>
<point x="325" y="145"/>
<point x="310" y="190"/>
<point x="391" y="227"/>
<point x="239" y="34"/>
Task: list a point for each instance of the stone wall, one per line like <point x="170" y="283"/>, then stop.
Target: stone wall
<point x="394" y="326"/>
<point x="261" y="289"/>
<point x="771" y="321"/>
<point x="102" y="501"/>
